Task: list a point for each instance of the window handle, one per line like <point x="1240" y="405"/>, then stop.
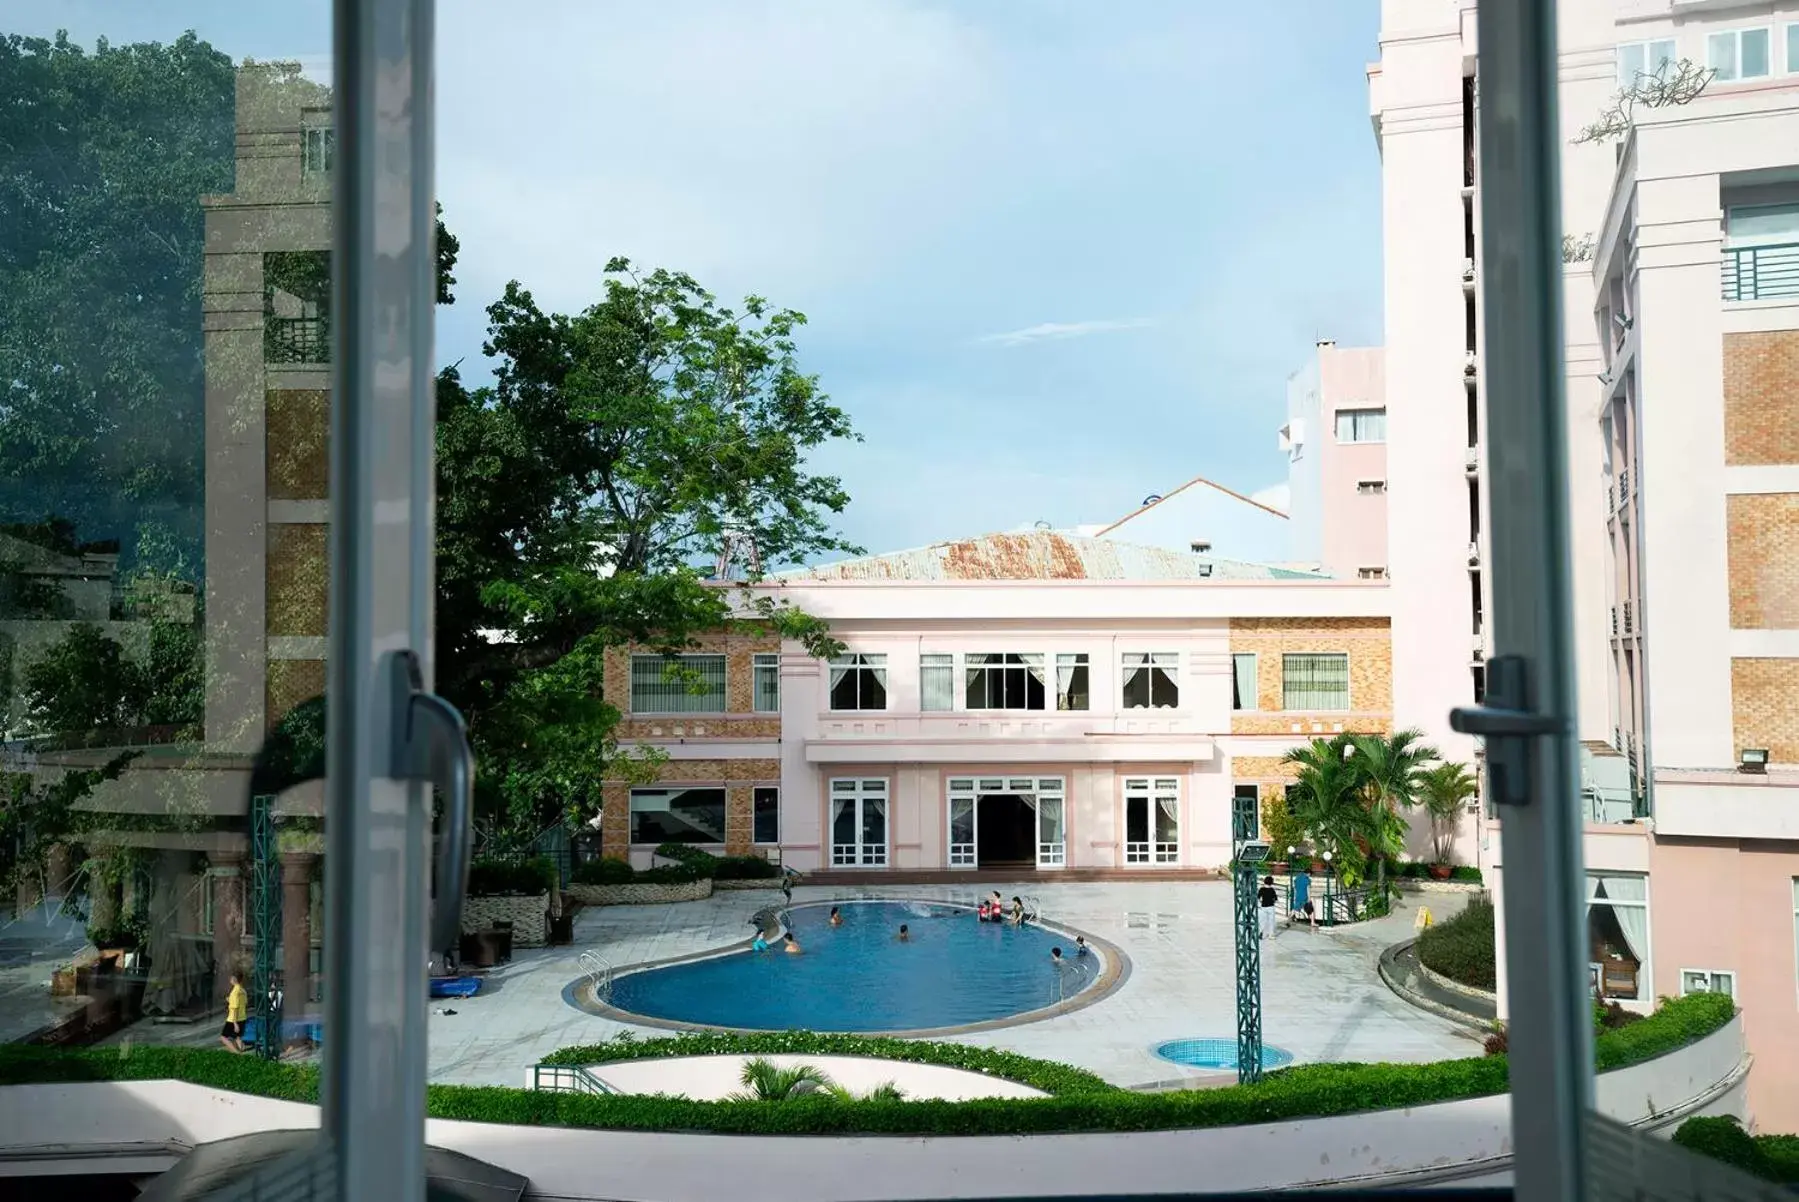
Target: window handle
<point x="430" y="743"/>
<point x="1511" y="725"/>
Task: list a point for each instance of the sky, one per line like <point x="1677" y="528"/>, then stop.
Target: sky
<point x="1055" y="255"/>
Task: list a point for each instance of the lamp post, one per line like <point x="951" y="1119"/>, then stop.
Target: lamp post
<point x="1250" y="854"/>
<point x="1329" y="915"/>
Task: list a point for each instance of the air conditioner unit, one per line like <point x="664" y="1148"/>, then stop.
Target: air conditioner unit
<point x="1472" y="365"/>
<point x="1468" y="271"/>
<point x="1474" y="554"/>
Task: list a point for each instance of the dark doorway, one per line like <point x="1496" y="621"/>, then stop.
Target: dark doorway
<point x="1005" y="831"/>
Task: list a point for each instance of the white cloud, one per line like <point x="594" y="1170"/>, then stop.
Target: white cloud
<point x="1057" y="330"/>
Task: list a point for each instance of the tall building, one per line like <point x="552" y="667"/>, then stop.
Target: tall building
<point x="1335" y="439"/>
<point x="1681" y="296"/>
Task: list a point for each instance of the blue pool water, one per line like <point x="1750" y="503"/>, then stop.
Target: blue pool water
<point x="858" y="977"/>
<point x="1218" y="1053"/>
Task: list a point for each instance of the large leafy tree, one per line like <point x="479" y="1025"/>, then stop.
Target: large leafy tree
<point x="581" y="495"/>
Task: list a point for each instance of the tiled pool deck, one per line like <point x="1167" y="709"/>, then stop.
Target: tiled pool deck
<point x="1322" y="996"/>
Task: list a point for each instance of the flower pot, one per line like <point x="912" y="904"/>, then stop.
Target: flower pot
<point x="1276" y="867"/>
<point x="1441" y="872"/>
<point x="1319" y="866"/>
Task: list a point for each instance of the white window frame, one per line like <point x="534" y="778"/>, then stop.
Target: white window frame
<point x="1348" y="684"/>
<point x="1074" y="661"/>
<point x="1647" y="46"/>
<point x="859" y="789"/>
<point x="318" y="147"/>
<point x="754" y="790"/>
<point x="939" y="666"/>
<point x="1714" y="38"/>
<point x="1357" y="415"/>
<point x="1027" y="662"/>
<point x="1170" y="661"/>
<point x="859" y="662"/>
<point x="1733" y="241"/>
<point x="1645" y="969"/>
<point x="685" y="659"/>
<point x="1371" y="488"/>
<point x="1789" y="47"/>
<point x="1253" y="703"/>
<point x="1711" y="976"/>
<point x="1156" y="853"/>
<point x="763" y="665"/>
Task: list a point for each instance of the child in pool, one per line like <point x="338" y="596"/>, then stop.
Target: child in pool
<point x="758" y="944"/>
<point x="905" y="935"/>
<point x="836" y="917"/>
<point x="790" y="945"/>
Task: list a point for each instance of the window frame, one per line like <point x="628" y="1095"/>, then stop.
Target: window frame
<point x="1645" y="45"/>
<point x="763" y="663"/>
<point x="756" y="796"/>
<point x="1255" y="682"/>
<point x="1356" y="415"/>
<point x="318" y="149"/>
<point x="1711" y="975"/>
<point x="1348" y="683"/>
<point x="724" y="684"/>
<point x="858" y="662"/>
<point x="943" y="662"/>
<point x="1789" y="47"/>
<point x="1151" y="660"/>
<point x="1736" y="34"/>
<point x="1076" y="662"/>
<point x="723" y="792"/>
<point x="1371" y="488"/>
<point x="1645" y="967"/>
<point x="1005" y="667"/>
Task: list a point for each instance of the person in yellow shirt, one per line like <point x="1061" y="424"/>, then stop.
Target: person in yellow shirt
<point x="237" y="1012"/>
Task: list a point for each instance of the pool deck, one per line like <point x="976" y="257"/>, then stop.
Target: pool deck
<point x="1322" y="996"/>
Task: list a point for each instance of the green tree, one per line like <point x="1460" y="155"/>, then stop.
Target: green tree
<point x="581" y="493"/>
<point x="1329" y="798"/>
<point x="83" y="682"/>
<point x="1389" y="766"/>
<point x="1445" y="790"/>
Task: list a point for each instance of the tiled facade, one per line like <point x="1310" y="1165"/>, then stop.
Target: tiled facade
<point x="1367" y="643"/>
<point x="1764" y="706"/>
<point x="1763" y="531"/>
<point x="1761" y="421"/>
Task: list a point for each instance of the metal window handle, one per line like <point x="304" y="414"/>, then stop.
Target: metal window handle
<point x="1510" y="726"/>
<point x="430" y="743"/>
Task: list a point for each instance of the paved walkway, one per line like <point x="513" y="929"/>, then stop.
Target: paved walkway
<point x="1322" y="996"/>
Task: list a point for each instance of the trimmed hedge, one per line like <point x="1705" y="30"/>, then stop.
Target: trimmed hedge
<point x="1771" y="1157"/>
<point x="1464" y="949"/>
<point x="745" y="868"/>
<point x="510" y="878"/>
<point x="1080" y="1101"/>
<point x="703" y="863"/>
<point x="1047" y="1075"/>
<point x="1420" y="870"/>
<point x="619" y="872"/>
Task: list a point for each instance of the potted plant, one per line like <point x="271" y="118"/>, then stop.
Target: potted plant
<point x="1444" y="789"/>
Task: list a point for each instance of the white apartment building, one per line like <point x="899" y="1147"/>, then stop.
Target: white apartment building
<point x="1681" y="299"/>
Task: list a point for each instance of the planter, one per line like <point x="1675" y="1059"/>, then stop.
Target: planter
<point x="770" y="883"/>
<point x="641" y="893"/>
<point x="1440" y="872"/>
<point x="528" y="916"/>
<point x="1275" y="868"/>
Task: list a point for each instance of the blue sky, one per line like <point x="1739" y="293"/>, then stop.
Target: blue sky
<point x="1057" y="255"/>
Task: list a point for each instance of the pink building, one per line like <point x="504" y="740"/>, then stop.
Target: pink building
<point x="1336" y="445"/>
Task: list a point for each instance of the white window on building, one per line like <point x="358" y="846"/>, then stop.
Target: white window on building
<point x="936" y="682"/>
<point x="1707" y="980"/>
<point x="766" y="669"/>
<point x="1371" y="488"/>
<point x="1152" y="820"/>
<point x="766" y="817"/>
<point x="1740" y="53"/>
<point x="1792" y="48"/>
<point x="1638" y="61"/>
<point x="1361" y="425"/>
<point x="859" y="823"/>
<point x="859" y="682"/>
<point x="1761" y="225"/>
<point x="678" y="815"/>
<point x="677" y="684"/>
<point x="317" y="149"/>
<point x="1004" y="680"/>
<point x="1618" y="936"/>
<point x="1315" y="681"/>
<point x="1243" y="681"/>
<point x="1073" y="677"/>
<point x="1151" y="680"/>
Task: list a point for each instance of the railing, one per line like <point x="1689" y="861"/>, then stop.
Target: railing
<point x="1761" y="272"/>
<point x="567" y="1078"/>
<point x="1614" y="621"/>
<point x="1628" y="627"/>
<point x="599" y="973"/>
<point x="1623" y="484"/>
<point x="296" y="340"/>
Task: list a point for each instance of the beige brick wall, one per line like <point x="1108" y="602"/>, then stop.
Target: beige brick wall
<point x="1761" y="418"/>
<point x="738" y="777"/>
<point x="296" y="580"/>
<point x="1367" y="642"/>
<point x="1763" y="711"/>
<point x="298" y="441"/>
<point x="1763" y="543"/>
<point x="289" y="682"/>
<point x="739" y="648"/>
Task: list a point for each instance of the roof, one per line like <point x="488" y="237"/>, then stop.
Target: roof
<point x="1043" y="555"/>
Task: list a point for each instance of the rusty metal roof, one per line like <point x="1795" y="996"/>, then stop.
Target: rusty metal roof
<point x="1043" y="555"/>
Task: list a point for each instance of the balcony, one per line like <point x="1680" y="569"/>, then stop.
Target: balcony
<point x="1753" y="273"/>
<point x="1629" y="625"/>
<point x="1020" y="736"/>
<point x="296" y="340"/>
<point x="1623" y="486"/>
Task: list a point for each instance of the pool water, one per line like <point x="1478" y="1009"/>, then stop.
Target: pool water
<point x="1218" y="1054"/>
<point x="858" y="977"/>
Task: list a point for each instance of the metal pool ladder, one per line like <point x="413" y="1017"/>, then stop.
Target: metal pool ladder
<point x="599" y="973"/>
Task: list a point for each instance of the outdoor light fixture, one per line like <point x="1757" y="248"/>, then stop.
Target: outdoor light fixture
<point x="1753" y="759"/>
<point x="1253" y="852"/>
<point x="1290" y="850"/>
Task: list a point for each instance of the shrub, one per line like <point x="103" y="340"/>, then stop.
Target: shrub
<point x="1780" y="1153"/>
<point x="687" y="854"/>
<point x="673" y="874"/>
<point x="1499" y="1042"/>
<point x="745" y="868"/>
<point x="1467" y="873"/>
<point x="1722" y="1138"/>
<point x="1464" y="949"/>
<point x="1281" y="829"/>
<point x="494" y="877"/>
<point x="1675" y="1023"/>
<point x="607" y="871"/>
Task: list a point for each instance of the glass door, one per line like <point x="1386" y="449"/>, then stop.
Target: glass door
<point x="1052" y="846"/>
<point x="1152" y="820"/>
<point x="859" y="823"/>
<point x="961" y="823"/>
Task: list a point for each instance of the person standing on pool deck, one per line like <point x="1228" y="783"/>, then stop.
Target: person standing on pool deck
<point x="1268" y="899"/>
<point x="905" y="936"/>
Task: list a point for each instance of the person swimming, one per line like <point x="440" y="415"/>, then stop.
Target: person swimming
<point x="905" y="935"/>
<point x="1080" y="945"/>
<point x="1055" y="955"/>
<point x="984" y="912"/>
<point x="836" y="917"/>
<point x="790" y="945"/>
<point x="1017" y="915"/>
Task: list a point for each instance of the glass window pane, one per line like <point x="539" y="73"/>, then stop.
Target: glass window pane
<point x="695" y="815"/>
<point x="767" y="684"/>
<point x="1243" y="682"/>
<point x="1630" y="63"/>
<point x="1754" y="53"/>
<point x="1792" y="48"/>
<point x="1721" y="55"/>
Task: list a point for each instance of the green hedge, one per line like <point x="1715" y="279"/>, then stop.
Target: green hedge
<point x="746" y="868"/>
<point x="611" y="871"/>
<point x="704" y="863"/>
<point x="1465" y="948"/>
<point x="1419" y="870"/>
<point x="510" y="878"/>
<point x="1079" y="1101"/>
<point x="1772" y="1157"/>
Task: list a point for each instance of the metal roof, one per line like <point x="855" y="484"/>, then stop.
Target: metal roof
<point x="1043" y="555"/>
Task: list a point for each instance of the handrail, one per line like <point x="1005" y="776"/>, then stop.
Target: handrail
<point x="599" y="972"/>
<point x="568" y="1078"/>
<point x="1769" y="272"/>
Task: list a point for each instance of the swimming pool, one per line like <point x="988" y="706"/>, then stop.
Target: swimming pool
<point x="1218" y="1054"/>
<point x="954" y="970"/>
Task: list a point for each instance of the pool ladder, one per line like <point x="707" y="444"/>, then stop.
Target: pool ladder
<point x="599" y="973"/>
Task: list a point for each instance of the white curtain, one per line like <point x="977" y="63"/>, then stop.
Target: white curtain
<point x="1049" y="820"/>
<point x="1633" y="919"/>
<point x="1243" y="668"/>
<point x="937" y="682"/>
<point x="838" y="672"/>
<point x="1171" y="807"/>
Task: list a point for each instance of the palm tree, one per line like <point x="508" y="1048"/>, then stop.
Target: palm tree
<point x="1389" y="766"/>
<point x="1329" y="797"/>
<point x="886" y="1091"/>
<point x="769" y="1082"/>
<point x="1443" y="790"/>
